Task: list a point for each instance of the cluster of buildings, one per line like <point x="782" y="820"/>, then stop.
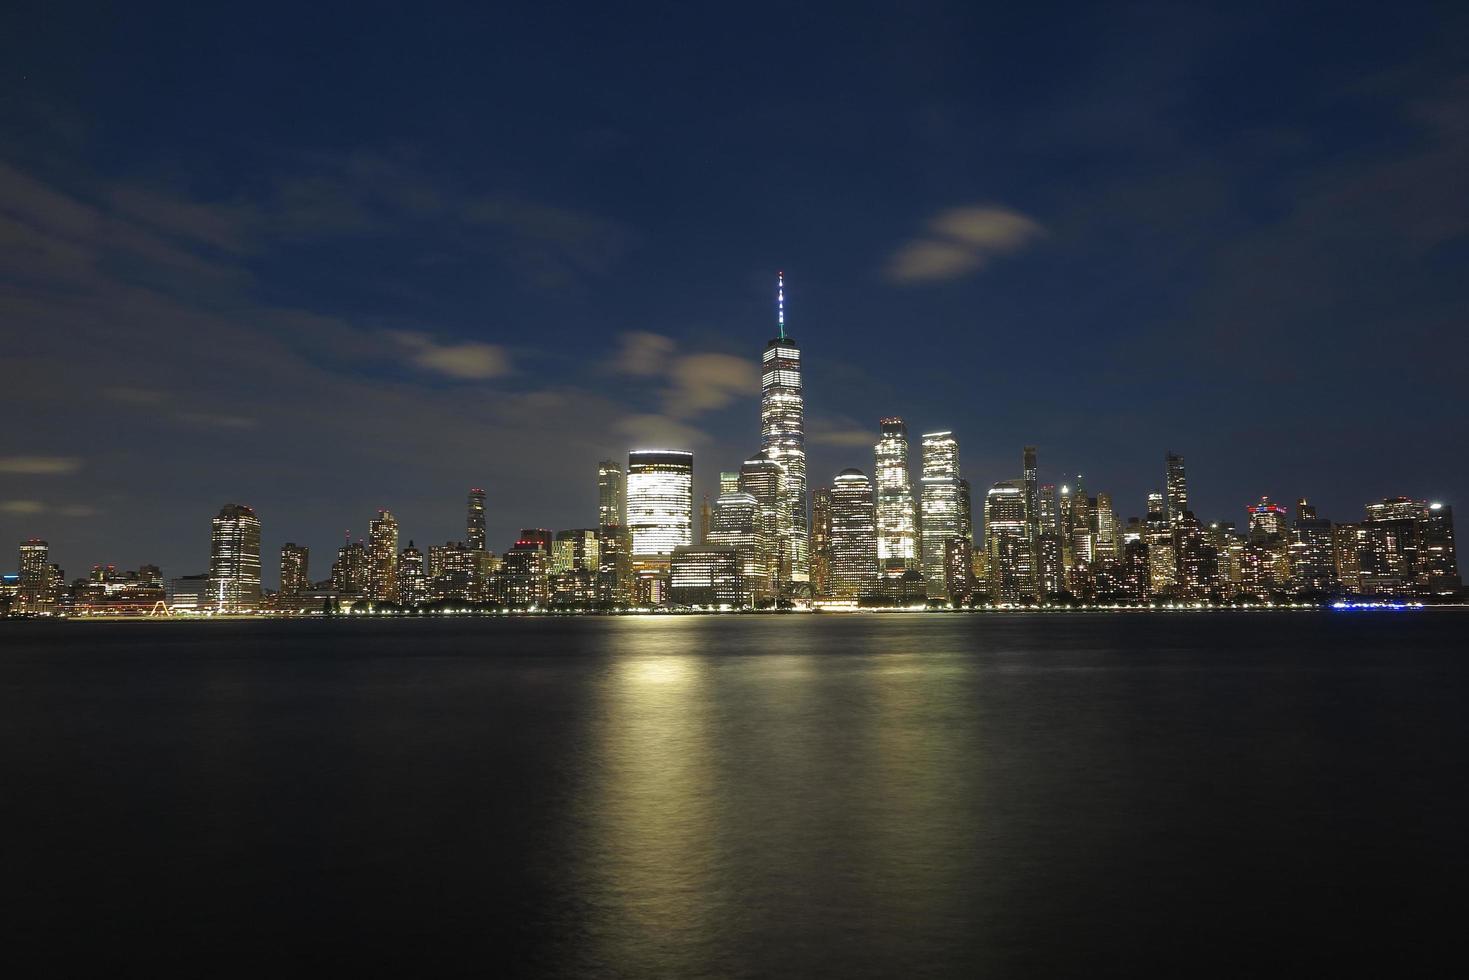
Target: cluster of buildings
<point x="764" y="542"/>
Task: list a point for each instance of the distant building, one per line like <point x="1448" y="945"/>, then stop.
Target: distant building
<point x="1007" y="542"/>
<point x="737" y="523"/>
<point x="234" y="559"/>
<point x="1312" y="551"/>
<point x="350" y="572"/>
<point x="1438" y="561"/>
<point x="765" y="479"/>
<point x="474" y="524"/>
<point x="614" y="545"/>
<point x="706" y="575"/>
<point x="939" y="496"/>
<point x="382" y="558"/>
<point x="1177" y="488"/>
<point x="897" y="521"/>
<point x="821" y="542"/>
<point x="783" y="441"/>
<point x="35" y="592"/>
<point x="524" y="571"/>
<point x="189" y="593"/>
<point x="413" y="583"/>
<point x="660" y="513"/>
<point x="853" y="549"/>
<point x="295" y="569"/>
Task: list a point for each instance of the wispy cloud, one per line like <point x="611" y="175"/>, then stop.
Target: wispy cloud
<point x="40" y="465"/>
<point x="960" y="241"/>
<point x="465" y="361"/>
<point x="642" y="354"/>
<point x="212" y="420"/>
<point x="30" y="508"/>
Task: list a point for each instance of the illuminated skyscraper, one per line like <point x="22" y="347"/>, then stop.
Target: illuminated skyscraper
<point x="1438" y="562"/>
<point x="765" y="479"/>
<point x="897" y="523"/>
<point x="783" y="438"/>
<point x="234" y="560"/>
<point x="1312" y="551"/>
<point x="614" y="573"/>
<point x="295" y="572"/>
<point x="853" y="547"/>
<point x="939" y="494"/>
<point x="1032" y="516"/>
<point x="736" y="522"/>
<point x="1007" y="541"/>
<point x="660" y="506"/>
<point x="35" y="594"/>
<point x="821" y="541"/>
<point x="350" y="571"/>
<point x="382" y="558"/>
<point x="524" y="578"/>
<point x="475" y="521"/>
<point x="412" y="578"/>
<point x="1108" y="545"/>
<point x="1177" y="486"/>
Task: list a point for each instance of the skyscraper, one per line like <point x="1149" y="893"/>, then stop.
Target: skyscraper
<point x="382" y="558"/>
<point x="765" y="479"/>
<point x="660" y="511"/>
<point x="1312" y="551"/>
<point x="1007" y="541"/>
<point x="821" y="541"/>
<point x="736" y="522"/>
<point x="897" y="524"/>
<point x="853" y="547"/>
<point x="939" y="496"/>
<point x="1032" y="517"/>
<point x="412" y="579"/>
<point x="783" y="438"/>
<point x="35" y="593"/>
<point x="234" y="560"/>
<point x="1177" y="487"/>
<point x="614" y="571"/>
<point x="1438" y="561"/>
<point x="295" y="572"/>
<point x="475" y="520"/>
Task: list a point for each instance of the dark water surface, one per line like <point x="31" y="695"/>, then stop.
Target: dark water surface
<point x="1000" y="795"/>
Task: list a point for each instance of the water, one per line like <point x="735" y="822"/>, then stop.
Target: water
<point x="904" y="795"/>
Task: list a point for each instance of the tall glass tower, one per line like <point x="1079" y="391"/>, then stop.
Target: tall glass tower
<point x="1177" y="488"/>
<point x="897" y="524"/>
<point x="474" y="523"/>
<point x="853" y="548"/>
<point x="783" y="438"/>
<point x="660" y="504"/>
<point x="234" y="559"/>
<point x="939" y="497"/>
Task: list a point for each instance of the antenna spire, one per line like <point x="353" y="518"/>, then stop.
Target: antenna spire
<point x="780" y="302"/>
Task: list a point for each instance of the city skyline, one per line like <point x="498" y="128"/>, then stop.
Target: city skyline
<point x="386" y="282"/>
<point x="766" y="540"/>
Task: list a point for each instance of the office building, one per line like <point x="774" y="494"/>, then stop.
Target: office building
<point x="614" y="546"/>
<point x="474" y="524"/>
<point x="853" y="547"/>
<point x="897" y="520"/>
<point x="706" y="575"/>
<point x="939" y="497"/>
<point x="295" y="570"/>
<point x="382" y="558"/>
<point x="234" y="560"/>
<point x="1007" y="540"/>
<point x="821" y="542"/>
<point x="783" y="441"/>
<point x="1176" y="484"/>
<point x="660" y="516"/>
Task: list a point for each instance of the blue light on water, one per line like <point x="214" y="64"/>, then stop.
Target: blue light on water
<point x="1390" y="606"/>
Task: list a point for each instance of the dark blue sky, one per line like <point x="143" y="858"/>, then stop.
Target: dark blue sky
<point x="326" y="260"/>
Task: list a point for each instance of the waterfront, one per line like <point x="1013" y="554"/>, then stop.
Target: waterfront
<point x="722" y="796"/>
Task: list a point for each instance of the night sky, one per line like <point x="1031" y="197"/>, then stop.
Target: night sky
<point x="324" y="260"/>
